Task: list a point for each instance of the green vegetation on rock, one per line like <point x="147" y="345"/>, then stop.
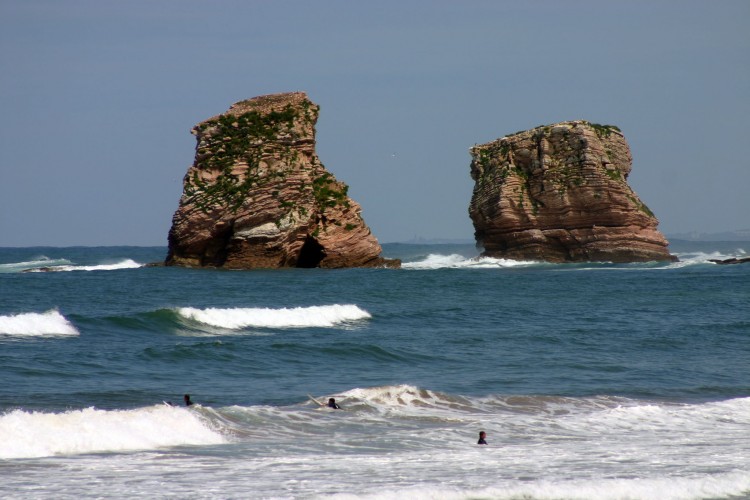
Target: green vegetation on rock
<point x="329" y="193"/>
<point x="604" y="130"/>
<point x="230" y="139"/>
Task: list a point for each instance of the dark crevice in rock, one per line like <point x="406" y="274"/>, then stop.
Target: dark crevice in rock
<point x="311" y="254"/>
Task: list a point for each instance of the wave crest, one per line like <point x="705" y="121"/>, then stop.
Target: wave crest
<point x="39" y="262"/>
<point x="456" y="261"/>
<point x="124" y="264"/>
<point x="297" y="317"/>
<point x="36" y="434"/>
<point x="694" y="258"/>
<point x="37" y="324"/>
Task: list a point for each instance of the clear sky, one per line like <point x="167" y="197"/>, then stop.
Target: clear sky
<point x="97" y="99"/>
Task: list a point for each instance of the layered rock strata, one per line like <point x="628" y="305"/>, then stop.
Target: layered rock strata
<point x="257" y="196"/>
<point x="559" y="193"/>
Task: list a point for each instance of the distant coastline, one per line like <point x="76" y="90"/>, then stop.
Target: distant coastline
<point x="739" y="235"/>
<point x="433" y="241"/>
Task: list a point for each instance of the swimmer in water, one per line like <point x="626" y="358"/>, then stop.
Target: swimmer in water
<point x="482" y="436"/>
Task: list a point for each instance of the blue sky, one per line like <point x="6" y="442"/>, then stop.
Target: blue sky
<point x="98" y="99"/>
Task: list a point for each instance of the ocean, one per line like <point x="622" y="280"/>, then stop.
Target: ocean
<point x="592" y="381"/>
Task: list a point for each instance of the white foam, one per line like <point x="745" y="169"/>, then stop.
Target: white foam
<point x="394" y="395"/>
<point x="37" y="324"/>
<point x="455" y="261"/>
<point x="696" y="258"/>
<point x="36" y="263"/>
<point x="35" y="434"/>
<point x="125" y="264"/>
<point x="733" y="415"/>
<point x="576" y="448"/>
<point x="298" y="317"/>
<point x="663" y="488"/>
<point x="410" y="401"/>
<point x="44" y="264"/>
<point x="600" y="447"/>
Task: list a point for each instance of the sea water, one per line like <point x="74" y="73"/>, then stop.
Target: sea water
<point x="592" y="381"/>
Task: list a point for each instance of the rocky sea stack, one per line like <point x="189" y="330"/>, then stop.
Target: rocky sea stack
<point x="257" y="196"/>
<point x="559" y="193"/>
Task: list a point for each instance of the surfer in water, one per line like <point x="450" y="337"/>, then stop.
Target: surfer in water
<point x="187" y="400"/>
<point x="482" y="436"/>
<point x="332" y="404"/>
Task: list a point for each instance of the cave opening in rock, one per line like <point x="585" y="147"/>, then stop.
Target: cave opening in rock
<point x="311" y="253"/>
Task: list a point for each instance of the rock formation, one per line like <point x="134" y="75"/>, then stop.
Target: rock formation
<point x="559" y="193"/>
<point x="257" y="195"/>
<point x="733" y="260"/>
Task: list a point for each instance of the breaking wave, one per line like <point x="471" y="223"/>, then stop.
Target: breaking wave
<point x="37" y="324"/>
<point x="693" y="258"/>
<point x="37" y="263"/>
<point x="125" y="264"/>
<point x="26" y="434"/>
<point x="43" y="264"/>
<point x="633" y="448"/>
<point x="297" y="317"/>
<point x="456" y="261"/>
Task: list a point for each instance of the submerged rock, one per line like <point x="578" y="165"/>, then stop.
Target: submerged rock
<point x="733" y="260"/>
<point x="257" y="196"/>
<point x="559" y="193"/>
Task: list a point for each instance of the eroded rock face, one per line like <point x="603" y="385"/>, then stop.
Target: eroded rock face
<point x="257" y="196"/>
<point x="559" y="193"/>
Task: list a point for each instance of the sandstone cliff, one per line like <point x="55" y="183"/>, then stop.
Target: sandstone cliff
<point x="257" y="196"/>
<point x="559" y="193"/>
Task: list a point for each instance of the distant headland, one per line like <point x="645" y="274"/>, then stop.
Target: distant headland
<point x="739" y="235"/>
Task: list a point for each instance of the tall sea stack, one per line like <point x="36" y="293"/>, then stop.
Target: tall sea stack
<point x="257" y="196"/>
<point x="559" y="193"/>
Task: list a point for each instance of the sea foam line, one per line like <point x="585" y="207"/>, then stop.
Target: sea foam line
<point x="44" y="264"/>
<point x="601" y="413"/>
<point x="297" y="317"/>
<point x="694" y="258"/>
<point x="37" y="262"/>
<point x="456" y="261"/>
<point x="124" y="264"/>
<point x="26" y="434"/>
<point x="723" y="485"/>
<point x="37" y="324"/>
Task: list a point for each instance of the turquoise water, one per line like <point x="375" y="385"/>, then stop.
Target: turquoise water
<point x="592" y="380"/>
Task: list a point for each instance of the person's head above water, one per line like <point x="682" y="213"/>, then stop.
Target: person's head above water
<point x="482" y="436"/>
<point x="332" y="403"/>
<point x="187" y="400"/>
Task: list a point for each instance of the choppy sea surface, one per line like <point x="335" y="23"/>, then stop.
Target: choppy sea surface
<point x="592" y="381"/>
